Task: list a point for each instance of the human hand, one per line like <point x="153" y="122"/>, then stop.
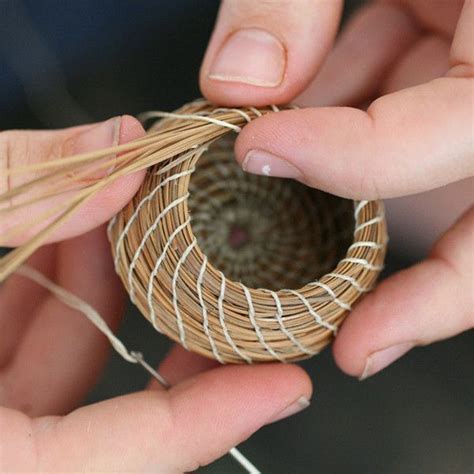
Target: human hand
<point x="50" y="355"/>
<point x="412" y="61"/>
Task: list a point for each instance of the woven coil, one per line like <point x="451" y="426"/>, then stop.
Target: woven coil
<point x="238" y="267"/>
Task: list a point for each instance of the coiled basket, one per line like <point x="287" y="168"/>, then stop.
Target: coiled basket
<point x="238" y="267"/>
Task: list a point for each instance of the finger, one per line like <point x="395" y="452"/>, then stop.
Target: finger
<point x="18" y="148"/>
<point x="427" y="59"/>
<point x="373" y="40"/>
<point x="62" y="353"/>
<point x="407" y="142"/>
<point x="180" y="364"/>
<point x="193" y="424"/>
<point x="267" y="52"/>
<point x="438" y="17"/>
<point x="462" y="52"/>
<point x="19" y="300"/>
<point x="414" y="229"/>
<point x="428" y="302"/>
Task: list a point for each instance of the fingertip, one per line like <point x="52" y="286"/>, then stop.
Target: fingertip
<point x="230" y="403"/>
<point x="326" y="148"/>
<point x="343" y="353"/>
<point x="363" y="332"/>
<point x="256" y="135"/>
<point x="130" y="129"/>
<point x="272" y="384"/>
<point x="247" y="67"/>
<point x="114" y="196"/>
<point x="299" y="378"/>
<point x="262" y="54"/>
<point x="126" y="186"/>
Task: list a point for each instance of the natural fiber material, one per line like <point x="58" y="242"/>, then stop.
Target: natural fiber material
<point x="235" y="267"/>
<point x="238" y="267"/>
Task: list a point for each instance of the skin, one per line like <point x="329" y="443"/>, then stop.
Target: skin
<point x="407" y="107"/>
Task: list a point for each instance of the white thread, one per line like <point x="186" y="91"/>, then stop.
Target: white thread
<point x="360" y="205"/>
<point x="351" y="280"/>
<point x="257" y="328"/>
<point x="370" y="244"/>
<point x="156" y="268"/>
<point x="173" y="163"/>
<point x="205" y="319"/>
<point x="134" y="216"/>
<point x="274" y="108"/>
<point x="110" y="226"/>
<point x="151" y="229"/>
<point x="334" y="297"/>
<point x="220" y="307"/>
<point x="139" y="358"/>
<point x="368" y="223"/>
<point x="243" y="461"/>
<point x="179" y="319"/>
<point x="288" y="334"/>
<point x="363" y="262"/>
<point x="313" y="313"/>
<point x="198" y="118"/>
<point x="75" y="302"/>
<point x="256" y="111"/>
<point x="237" y="111"/>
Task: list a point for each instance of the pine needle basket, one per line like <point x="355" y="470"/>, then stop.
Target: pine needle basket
<point x="236" y="267"/>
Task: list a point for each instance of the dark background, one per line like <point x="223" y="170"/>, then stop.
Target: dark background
<point x="69" y="62"/>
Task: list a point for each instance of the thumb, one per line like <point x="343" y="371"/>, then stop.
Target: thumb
<point x="191" y="425"/>
<point x="267" y="52"/>
<point x="26" y="147"/>
<point x="407" y="142"/>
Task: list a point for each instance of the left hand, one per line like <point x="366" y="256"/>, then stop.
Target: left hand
<point x="413" y="62"/>
<point x="51" y="355"/>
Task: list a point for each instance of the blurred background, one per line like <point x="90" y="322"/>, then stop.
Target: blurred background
<point x="65" y="63"/>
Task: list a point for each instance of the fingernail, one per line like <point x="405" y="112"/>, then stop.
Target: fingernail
<point x="103" y="135"/>
<point x="292" y="409"/>
<point x="99" y="136"/>
<point x="251" y="56"/>
<point x="383" y="358"/>
<point x="267" y="164"/>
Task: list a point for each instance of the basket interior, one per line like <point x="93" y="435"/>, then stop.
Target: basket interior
<point x="265" y="232"/>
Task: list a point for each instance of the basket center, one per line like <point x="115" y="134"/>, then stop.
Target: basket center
<point x="238" y="237"/>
